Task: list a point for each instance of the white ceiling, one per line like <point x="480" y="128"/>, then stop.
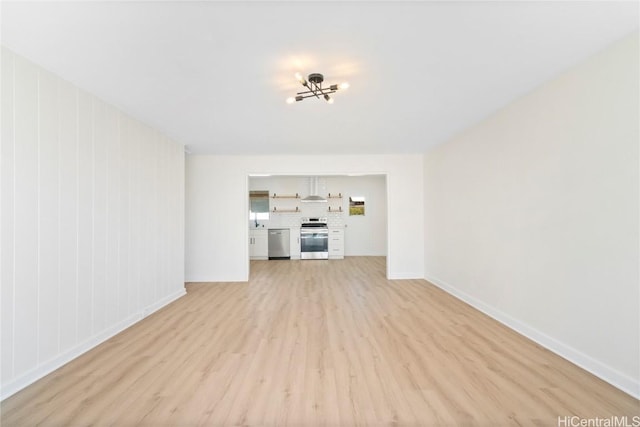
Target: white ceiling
<point x="214" y="75"/>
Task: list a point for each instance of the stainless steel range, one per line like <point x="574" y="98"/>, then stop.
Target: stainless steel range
<point x="314" y="238"/>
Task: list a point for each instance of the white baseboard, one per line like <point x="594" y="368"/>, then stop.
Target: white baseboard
<point x="617" y="379"/>
<point x="51" y="365"/>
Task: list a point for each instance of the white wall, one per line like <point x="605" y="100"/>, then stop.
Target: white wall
<point x="217" y="208"/>
<point x="532" y="215"/>
<point x="365" y="235"/>
<point x="92" y="225"/>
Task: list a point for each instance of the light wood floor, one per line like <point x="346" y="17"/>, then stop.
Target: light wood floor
<point x="307" y="343"/>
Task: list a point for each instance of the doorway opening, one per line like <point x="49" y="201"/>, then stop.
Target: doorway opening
<point x="364" y="234"/>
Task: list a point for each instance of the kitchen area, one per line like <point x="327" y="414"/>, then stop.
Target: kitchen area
<point x="307" y="217"/>
<point x="313" y="239"/>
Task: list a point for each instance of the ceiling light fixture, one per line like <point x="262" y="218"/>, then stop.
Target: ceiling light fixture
<point x="314" y="84"/>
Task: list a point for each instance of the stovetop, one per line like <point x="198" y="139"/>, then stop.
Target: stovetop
<point x="313" y="222"/>
<point x="314" y="225"/>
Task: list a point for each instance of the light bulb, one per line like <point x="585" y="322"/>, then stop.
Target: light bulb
<point x="291" y="100"/>
<point x="300" y="78"/>
<point x="344" y="85"/>
<point x="330" y="101"/>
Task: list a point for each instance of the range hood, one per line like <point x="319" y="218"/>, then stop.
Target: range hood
<point x="313" y="191"/>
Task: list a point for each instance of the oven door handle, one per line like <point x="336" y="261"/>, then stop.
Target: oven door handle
<point x="314" y="236"/>
<point x="325" y="231"/>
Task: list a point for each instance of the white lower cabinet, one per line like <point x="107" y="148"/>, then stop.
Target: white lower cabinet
<point x="336" y="243"/>
<point x="258" y="244"/>
<point x="294" y="242"/>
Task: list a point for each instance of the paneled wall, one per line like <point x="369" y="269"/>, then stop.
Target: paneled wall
<point x="92" y="225"/>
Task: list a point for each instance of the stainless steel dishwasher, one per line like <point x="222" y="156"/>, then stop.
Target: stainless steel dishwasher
<point x="279" y="243"/>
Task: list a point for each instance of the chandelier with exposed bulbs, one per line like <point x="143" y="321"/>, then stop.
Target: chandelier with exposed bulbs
<point x="315" y="89"/>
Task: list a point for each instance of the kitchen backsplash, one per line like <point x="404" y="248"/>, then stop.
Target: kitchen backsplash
<point x="307" y="210"/>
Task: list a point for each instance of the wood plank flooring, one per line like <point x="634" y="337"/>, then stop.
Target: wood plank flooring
<point x="312" y="343"/>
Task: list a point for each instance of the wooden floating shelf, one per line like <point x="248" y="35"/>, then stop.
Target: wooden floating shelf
<point x="285" y="210"/>
<point x="285" y="196"/>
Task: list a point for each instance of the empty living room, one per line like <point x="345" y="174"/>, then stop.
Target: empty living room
<point x="304" y="213"/>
